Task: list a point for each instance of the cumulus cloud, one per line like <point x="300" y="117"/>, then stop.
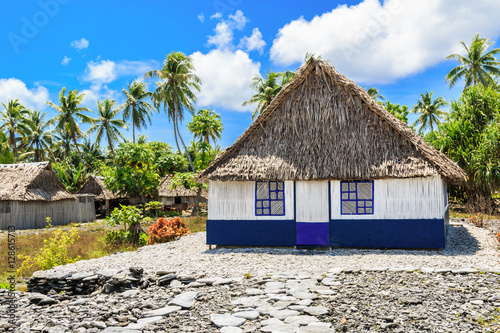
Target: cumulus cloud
<point x="378" y="43"/>
<point x="201" y="17"/>
<point x="226" y="78"/>
<point x="34" y="98"/>
<point x="80" y="44"/>
<point x="65" y="61"/>
<point x="216" y="16"/>
<point x="223" y="36"/>
<point x="106" y="71"/>
<point x="96" y="92"/>
<point x="254" y="42"/>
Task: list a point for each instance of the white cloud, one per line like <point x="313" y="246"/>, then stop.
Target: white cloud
<point x="97" y="92"/>
<point x="254" y="42"/>
<point x="201" y="17"/>
<point x="65" y="61"/>
<point x="80" y="44"/>
<point x="239" y="20"/>
<point x="106" y="71"/>
<point x="377" y="43"/>
<point x="226" y="78"/>
<point x="216" y="16"/>
<point x="34" y="98"/>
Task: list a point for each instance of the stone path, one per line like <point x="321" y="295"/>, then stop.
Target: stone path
<point x="339" y="300"/>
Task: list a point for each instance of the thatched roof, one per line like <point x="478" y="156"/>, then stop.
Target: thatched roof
<point x="31" y="182"/>
<point x="180" y="191"/>
<point x="324" y="126"/>
<point x="95" y="185"/>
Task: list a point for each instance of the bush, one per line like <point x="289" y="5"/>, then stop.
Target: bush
<point x="167" y="230"/>
<point x="172" y="213"/>
<point x="477" y="220"/>
<point x="55" y="252"/>
<point x="130" y="218"/>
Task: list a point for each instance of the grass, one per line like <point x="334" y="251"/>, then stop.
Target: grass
<point x="91" y="244"/>
<point x="460" y="215"/>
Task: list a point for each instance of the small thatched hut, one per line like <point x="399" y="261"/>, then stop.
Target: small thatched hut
<point x="180" y="198"/>
<point x="31" y="192"/>
<point x="325" y="165"/>
<point x="105" y="200"/>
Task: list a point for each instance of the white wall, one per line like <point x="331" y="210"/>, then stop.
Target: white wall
<point x="413" y="198"/>
<point x="312" y="201"/>
<point x="236" y="201"/>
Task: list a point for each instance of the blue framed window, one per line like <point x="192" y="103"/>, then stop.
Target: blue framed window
<point x="270" y="198"/>
<point x="356" y="198"/>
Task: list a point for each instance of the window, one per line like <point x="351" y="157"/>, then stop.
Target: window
<point x="270" y="198"/>
<point x="356" y="198"/>
<point x="177" y="200"/>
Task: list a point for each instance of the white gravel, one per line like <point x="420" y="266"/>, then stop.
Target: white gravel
<point x="467" y="247"/>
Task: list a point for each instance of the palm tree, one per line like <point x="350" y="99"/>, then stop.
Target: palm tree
<point x="175" y="91"/>
<point x="38" y="137"/>
<point x="14" y="122"/>
<point x="267" y="88"/>
<point x="69" y="111"/>
<point x="429" y="111"/>
<point x="136" y="108"/>
<point x="477" y="66"/>
<point x="375" y="94"/>
<point x="62" y="144"/>
<point x="106" y="124"/>
<point x="206" y="124"/>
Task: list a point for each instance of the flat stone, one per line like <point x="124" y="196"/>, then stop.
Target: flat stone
<point x="315" y="329"/>
<point x="78" y="302"/>
<point x="410" y="300"/>
<point x="297" y="307"/>
<point x="108" y="273"/>
<point x="136" y="270"/>
<point x="301" y="320"/>
<point x="254" y="292"/>
<point x="477" y="302"/>
<point x="277" y="298"/>
<point x="162" y="272"/>
<point x="120" y="330"/>
<point x="334" y="270"/>
<point x="57" y="276"/>
<point x="99" y="324"/>
<point x="196" y="284"/>
<point x="130" y="293"/>
<point x="302" y="295"/>
<point x="427" y="270"/>
<point x="442" y="270"/>
<point x="90" y="278"/>
<point x="220" y="282"/>
<point x="267" y="309"/>
<point x="275" y="285"/>
<point x="271" y="321"/>
<point x="207" y="281"/>
<point x="305" y="302"/>
<point x="281" y="328"/>
<point x="316" y="310"/>
<point x="231" y="329"/>
<point x="224" y="320"/>
<point x="80" y="276"/>
<point x="282" y="314"/>
<point x="185" y="300"/>
<point x="143" y="322"/>
<point x="175" y="284"/>
<point x="464" y="271"/>
<point x="186" y="277"/>
<point x="40" y="274"/>
<point x="250" y="302"/>
<point x="165" y="311"/>
<point x="251" y="315"/>
<point x="331" y="282"/>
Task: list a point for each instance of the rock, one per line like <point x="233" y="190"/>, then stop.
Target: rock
<point x="251" y="315"/>
<point x="224" y="320"/>
<point x="303" y="295"/>
<point x="477" y="302"/>
<point x="80" y="276"/>
<point x="120" y="330"/>
<point x="254" y="292"/>
<point x="99" y="324"/>
<point x="165" y="279"/>
<point x="40" y="299"/>
<point x="185" y="300"/>
<point x="136" y="270"/>
<point x="165" y="311"/>
<point x="40" y="274"/>
<point x="143" y="322"/>
<point x="281" y="328"/>
<point x="301" y="320"/>
<point x="231" y="329"/>
<point x="130" y="293"/>
<point x="165" y="272"/>
<point x="220" y="282"/>
<point x="271" y="321"/>
<point x="410" y="300"/>
<point x="108" y="273"/>
<point x="316" y="329"/>
<point x="207" y="281"/>
<point x="175" y="284"/>
<point x="331" y="282"/>
<point x="282" y="314"/>
<point x="316" y="310"/>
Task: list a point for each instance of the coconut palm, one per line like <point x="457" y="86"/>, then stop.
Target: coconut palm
<point x="175" y="91"/>
<point x="205" y="125"/>
<point x="267" y="88"/>
<point x="429" y="111"/>
<point x="136" y="108"/>
<point x="14" y="122"/>
<point x="477" y="66"/>
<point x="106" y="123"/>
<point x="38" y="137"/>
<point x="375" y="94"/>
<point x="69" y="113"/>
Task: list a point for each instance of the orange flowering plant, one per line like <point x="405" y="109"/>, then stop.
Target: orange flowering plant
<point x="166" y="230"/>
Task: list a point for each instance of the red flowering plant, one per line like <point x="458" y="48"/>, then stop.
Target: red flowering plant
<point x="166" y="230"/>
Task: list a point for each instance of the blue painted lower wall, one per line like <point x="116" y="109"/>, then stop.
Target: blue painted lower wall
<point x="251" y="232"/>
<point x="312" y="234"/>
<point x="417" y="234"/>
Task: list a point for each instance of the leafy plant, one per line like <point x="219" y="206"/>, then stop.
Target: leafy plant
<point x="143" y="239"/>
<point x="130" y="218"/>
<point x="55" y="252"/>
<point x="154" y="206"/>
<point x="166" y="230"/>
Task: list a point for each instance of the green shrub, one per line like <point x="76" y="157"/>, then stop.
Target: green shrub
<point x="130" y="218"/>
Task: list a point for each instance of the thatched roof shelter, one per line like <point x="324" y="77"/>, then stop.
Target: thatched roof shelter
<point x="180" y="191"/>
<point x="31" y="182"/>
<point x="324" y="126"/>
<point x="95" y="185"/>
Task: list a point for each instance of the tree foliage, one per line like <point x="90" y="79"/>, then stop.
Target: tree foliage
<point x="206" y="125"/>
<point x="429" y="110"/>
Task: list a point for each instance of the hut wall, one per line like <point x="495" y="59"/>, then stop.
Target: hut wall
<point x="85" y="208"/>
<point x="33" y="214"/>
<point x="312" y="212"/>
<point x="167" y="200"/>
<point x="188" y="200"/>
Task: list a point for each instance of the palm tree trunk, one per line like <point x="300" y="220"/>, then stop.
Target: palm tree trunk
<point x="133" y="131"/>
<point x="206" y="139"/>
<point x="13" y="143"/>
<point x="78" y="150"/>
<point x="110" y="145"/>
<point x="175" y="136"/>
<point x="182" y="141"/>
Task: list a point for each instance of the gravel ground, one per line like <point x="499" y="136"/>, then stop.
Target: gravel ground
<point x="467" y="247"/>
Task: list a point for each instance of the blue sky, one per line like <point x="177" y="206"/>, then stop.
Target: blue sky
<point x="97" y="47"/>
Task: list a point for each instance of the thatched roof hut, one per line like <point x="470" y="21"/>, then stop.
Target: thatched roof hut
<point x="180" y="197"/>
<point x="324" y="126"/>
<point x="31" y="192"/>
<point x="95" y="185"/>
<point x="325" y="165"/>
